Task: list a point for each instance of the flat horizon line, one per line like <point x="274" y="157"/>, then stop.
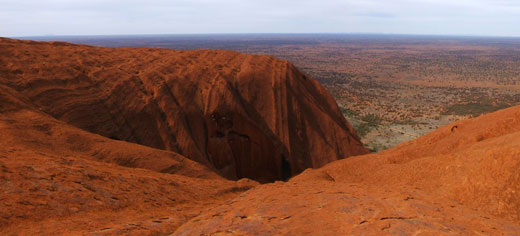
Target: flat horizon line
<point x="274" y="34"/>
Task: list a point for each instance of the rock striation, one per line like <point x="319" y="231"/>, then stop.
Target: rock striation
<point x="245" y="116"/>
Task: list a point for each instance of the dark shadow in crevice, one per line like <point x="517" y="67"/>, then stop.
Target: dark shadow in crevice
<point x="286" y="169"/>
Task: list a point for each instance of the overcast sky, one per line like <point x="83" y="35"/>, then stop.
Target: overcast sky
<point x="108" y="17"/>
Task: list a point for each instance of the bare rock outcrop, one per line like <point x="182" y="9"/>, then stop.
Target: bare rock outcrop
<point x="464" y="182"/>
<point x="242" y="115"/>
<point x="148" y="110"/>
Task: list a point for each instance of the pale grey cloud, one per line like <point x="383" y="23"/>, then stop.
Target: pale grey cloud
<point x="86" y="17"/>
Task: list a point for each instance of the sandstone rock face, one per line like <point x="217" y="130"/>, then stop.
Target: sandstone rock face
<point x="242" y="115"/>
<point x="476" y="164"/>
<point x="462" y="181"/>
<point x="58" y="179"/>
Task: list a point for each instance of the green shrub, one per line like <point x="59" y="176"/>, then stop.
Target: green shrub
<point x="367" y="124"/>
<point x="348" y="112"/>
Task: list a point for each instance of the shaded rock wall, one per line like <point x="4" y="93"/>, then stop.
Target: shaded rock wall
<point x="243" y="115"/>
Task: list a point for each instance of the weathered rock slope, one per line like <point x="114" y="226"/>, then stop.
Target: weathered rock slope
<point x="242" y="115"/>
<point x="461" y="179"/>
<point x="58" y="179"/>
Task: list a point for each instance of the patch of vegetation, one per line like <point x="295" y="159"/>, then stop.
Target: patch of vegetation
<point x="472" y="109"/>
<point x="362" y="129"/>
<point x="348" y="112"/>
<point x="374" y="148"/>
<point x="407" y="122"/>
<point x="369" y="122"/>
<point x="371" y="119"/>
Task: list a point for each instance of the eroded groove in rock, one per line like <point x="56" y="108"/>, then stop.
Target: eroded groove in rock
<point x="243" y="115"/>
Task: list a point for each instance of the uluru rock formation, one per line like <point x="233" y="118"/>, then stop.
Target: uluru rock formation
<point x="96" y="141"/>
<point x="465" y="182"/>
<point x="56" y="179"/>
<point x="245" y="116"/>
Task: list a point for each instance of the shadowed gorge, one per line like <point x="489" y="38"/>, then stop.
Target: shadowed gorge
<point x="245" y="116"/>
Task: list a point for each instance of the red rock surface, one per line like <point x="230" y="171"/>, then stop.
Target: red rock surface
<point x="464" y="182"/>
<point x="57" y="179"/>
<point x="243" y="115"/>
